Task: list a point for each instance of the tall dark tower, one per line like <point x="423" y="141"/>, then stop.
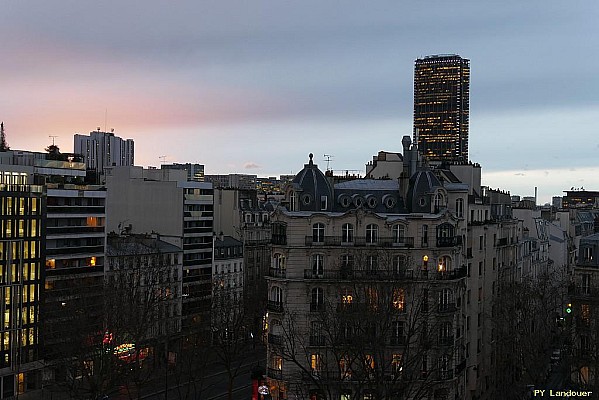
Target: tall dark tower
<point x="442" y="107"/>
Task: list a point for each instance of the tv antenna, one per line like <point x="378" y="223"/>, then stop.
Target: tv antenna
<point x="328" y="158"/>
<point x="162" y="159"/>
<point x="53" y="138"/>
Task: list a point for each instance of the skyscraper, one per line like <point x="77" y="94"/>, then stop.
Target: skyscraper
<point x="442" y="107"/>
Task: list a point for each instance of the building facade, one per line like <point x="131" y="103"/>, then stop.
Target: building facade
<point x="367" y="289"/>
<point x="102" y="150"/>
<point x="442" y="107"/>
<point x="163" y="201"/>
<point x="21" y="281"/>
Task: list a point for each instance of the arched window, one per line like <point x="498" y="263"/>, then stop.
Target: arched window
<point x="317" y="265"/>
<point x="439" y="201"/>
<point x="317" y="299"/>
<point x="279" y="262"/>
<point x="459" y="208"/>
<point x="444" y="264"/>
<point x="372" y="233"/>
<point x="347" y="233"/>
<point x="318" y="233"/>
<point x="399" y="233"/>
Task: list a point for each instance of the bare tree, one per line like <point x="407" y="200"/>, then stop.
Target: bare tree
<point x="525" y="316"/>
<point x="379" y="332"/>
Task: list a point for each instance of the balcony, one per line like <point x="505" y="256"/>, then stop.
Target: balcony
<point x="275" y="306"/>
<point x="449" y="241"/>
<point x="87" y="210"/>
<point x="73" y="230"/>
<point x="274" y="373"/>
<point x="446" y="308"/>
<point x="75" y="250"/>
<point x="277" y="273"/>
<point x="358" y="241"/>
<point x="453" y="274"/>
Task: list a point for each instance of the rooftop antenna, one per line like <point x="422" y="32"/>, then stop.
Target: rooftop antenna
<point x="53" y="138"/>
<point x="328" y="158"/>
<point x="162" y="159"/>
<point x="105" y="118"/>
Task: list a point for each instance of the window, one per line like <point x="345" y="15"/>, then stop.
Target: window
<point x="439" y="201"/>
<point x="276" y="294"/>
<point x="399" y="263"/>
<point x="369" y="364"/>
<point x="444" y="264"/>
<point x="318" y="265"/>
<point x="445" y="299"/>
<point x="345" y="369"/>
<point x="588" y="254"/>
<point x="278" y="261"/>
<point x="399" y="233"/>
<point x="315" y="364"/>
<point x="585" y="287"/>
<point x="276" y="363"/>
<point x="323" y="202"/>
<point x="397" y="332"/>
<point x="347" y="233"/>
<point x="399" y="299"/>
<point x="317" y="302"/>
<point x="446" y="333"/>
<point x="459" y="208"/>
<point x="371" y="263"/>
<point x="318" y="233"/>
<point x="396" y="364"/>
<point x="424" y="235"/>
<point x="372" y="233"/>
<point x="293" y="201"/>
<point x="347" y="262"/>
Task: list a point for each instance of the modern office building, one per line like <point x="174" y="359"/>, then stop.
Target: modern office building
<point x="21" y="282"/>
<point x="102" y="150"/>
<point x="442" y="108"/>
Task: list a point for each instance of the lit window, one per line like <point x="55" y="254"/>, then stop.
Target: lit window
<point x="399" y="299"/>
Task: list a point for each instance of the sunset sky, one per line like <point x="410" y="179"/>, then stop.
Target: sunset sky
<point x="254" y="86"/>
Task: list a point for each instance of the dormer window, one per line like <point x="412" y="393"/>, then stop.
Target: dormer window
<point x="323" y="203"/>
<point x="293" y="201"/>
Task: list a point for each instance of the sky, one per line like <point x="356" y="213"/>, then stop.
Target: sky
<point x="255" y="86"/>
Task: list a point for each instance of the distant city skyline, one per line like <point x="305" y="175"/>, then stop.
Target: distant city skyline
<point x="253" y="88"/>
